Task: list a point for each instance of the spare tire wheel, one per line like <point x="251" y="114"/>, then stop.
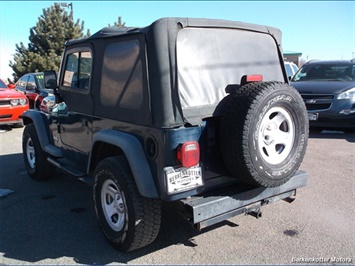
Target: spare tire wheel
<point x="264" y="133"/>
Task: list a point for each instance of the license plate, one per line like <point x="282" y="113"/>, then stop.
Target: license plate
<point x="182" y="179"/>
<point x="312" y="117"/>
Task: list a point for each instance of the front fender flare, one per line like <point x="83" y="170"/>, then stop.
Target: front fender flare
<point x="40" y="121"/>
<point x="135" y="155"/>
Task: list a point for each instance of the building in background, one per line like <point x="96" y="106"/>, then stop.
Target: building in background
<point x="294" y="57"/>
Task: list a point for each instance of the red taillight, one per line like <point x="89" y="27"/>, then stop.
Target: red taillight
<point x="189" y="153"/>
<point x="254" y="78"/>
<point x="251" y="78"/>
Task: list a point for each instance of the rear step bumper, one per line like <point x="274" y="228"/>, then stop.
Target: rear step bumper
<point x="208" y="210"/>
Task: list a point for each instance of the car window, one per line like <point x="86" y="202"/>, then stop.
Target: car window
<point x="122" y="80"/>
<point x="40" y="81"/>
<point x="328" y="72"/>
<point x="288" y="70"/>
<point x="2" y="85"/>
<point x="31" y="83"/>
<point x="231" y="54"/>
<point x="22" y="82"/>
<point x="78" y="70"/>
<point x="295" y="68"/>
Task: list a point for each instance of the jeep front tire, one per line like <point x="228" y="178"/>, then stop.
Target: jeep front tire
<point x="264" y="133"/>
<point x="35" y="158"/>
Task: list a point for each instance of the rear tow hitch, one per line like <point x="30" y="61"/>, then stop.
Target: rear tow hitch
<point x="256" y="213"/>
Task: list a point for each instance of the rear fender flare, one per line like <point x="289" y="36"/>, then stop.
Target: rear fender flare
<point x="135" y="155"/>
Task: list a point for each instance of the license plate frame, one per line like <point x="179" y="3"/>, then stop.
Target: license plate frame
<point x="182" y="179"/>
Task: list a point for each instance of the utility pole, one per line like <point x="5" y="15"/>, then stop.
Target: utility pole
<point x="67" y="6"/>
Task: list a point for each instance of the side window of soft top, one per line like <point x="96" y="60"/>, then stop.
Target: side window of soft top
<point x="77" y="72"/>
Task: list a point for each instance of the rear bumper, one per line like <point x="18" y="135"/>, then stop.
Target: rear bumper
<point x="210" y="209"/>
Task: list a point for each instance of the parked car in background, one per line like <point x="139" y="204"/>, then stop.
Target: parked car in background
<point x="12" y="105"/>
<point x="291" y="69"/>
<point x="32" y="86"/>
<point x="328" y="90"/>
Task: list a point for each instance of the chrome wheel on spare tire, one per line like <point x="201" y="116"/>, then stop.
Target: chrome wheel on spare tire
<point x="264" y="133"/>
<point x="276" y="135"/>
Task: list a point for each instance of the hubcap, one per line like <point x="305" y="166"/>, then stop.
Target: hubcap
<point x="113" y="205"/>
<point x="276" y="135"/>
<point x="30" y="153"/>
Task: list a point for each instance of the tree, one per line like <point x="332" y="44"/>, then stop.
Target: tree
<point x="119" y="23"/>
<point x="54" y="27"/>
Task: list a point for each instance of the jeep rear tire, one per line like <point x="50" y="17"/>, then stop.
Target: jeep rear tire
<point x="264" y="133"/>
<point x="128" y="220"/>
<point x="35" y="158"/>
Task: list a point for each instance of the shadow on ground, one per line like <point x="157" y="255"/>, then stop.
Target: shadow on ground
<point x="325" y="133"/>
<point x="56" y="218"/>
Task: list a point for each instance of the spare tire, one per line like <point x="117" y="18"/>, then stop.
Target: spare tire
<point x="264" y="133"/>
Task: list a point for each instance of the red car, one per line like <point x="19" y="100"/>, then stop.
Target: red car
<point x="12" y="105"/>
<point x="32" y="86"/>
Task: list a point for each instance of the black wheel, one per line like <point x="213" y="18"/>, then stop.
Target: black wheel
<point x="128" y="220"/>
<point x="35" y="158"/>
<point x="264" y="133"/>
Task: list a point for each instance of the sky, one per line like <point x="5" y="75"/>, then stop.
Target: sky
<point x="317" y="29"/>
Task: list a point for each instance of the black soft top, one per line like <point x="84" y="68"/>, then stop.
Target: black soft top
<point x="187" y="90"/>
<point x="183" y="22"/>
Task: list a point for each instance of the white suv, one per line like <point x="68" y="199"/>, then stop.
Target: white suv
<point x="291" y="69"/>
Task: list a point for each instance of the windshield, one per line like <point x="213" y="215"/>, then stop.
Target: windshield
<point x="326" y="72"/>
<point x="40" y="79"/>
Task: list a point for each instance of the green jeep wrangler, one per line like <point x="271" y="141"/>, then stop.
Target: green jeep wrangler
<point x="197" y="113"/>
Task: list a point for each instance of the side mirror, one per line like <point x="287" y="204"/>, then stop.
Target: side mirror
<point x="50" y="79"/>
<point x="11" y="86"/>
<point x="47" y="104"/>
